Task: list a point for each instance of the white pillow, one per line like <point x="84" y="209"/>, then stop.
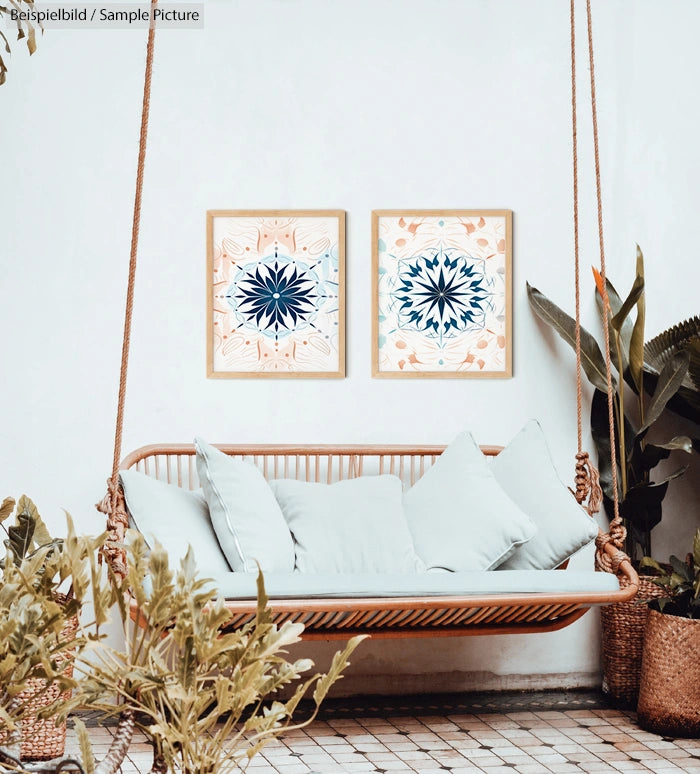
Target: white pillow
<point x="244" y="512"/>
<point x="459" y="516"/>
<point x="353" y="526"/>
<point x="175" y="517"/>
<point x="526" y="472"/>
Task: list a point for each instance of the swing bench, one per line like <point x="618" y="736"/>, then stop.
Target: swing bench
<point x="440" y="610"/>
<point x="432" y="604"/>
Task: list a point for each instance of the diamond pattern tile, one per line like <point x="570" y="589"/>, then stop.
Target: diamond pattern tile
<point x="494" y="734"/>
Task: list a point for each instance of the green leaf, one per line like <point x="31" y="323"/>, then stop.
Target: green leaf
<point x="636" y="353"/>
<point x="592" y="359"/>
<point x="670" y="380"/>
<point x="623" y="313"/>
<point x="696" y="548"/>
<point x="653" y="453"/>
<point x="21" y="533"/>
<point x="625" y="329"/>
<point x="681" y="569"/>
<point x="647" y="561"/>
<point x="41" y="534"/>
<point x="85" y="746"/>
<point x="6" y="508"/>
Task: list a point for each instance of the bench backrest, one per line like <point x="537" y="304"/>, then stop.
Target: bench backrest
<point x="175" y="463"/>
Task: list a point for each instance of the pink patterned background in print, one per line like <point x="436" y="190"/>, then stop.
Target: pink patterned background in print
<point x="275" y="290"/>
<point x="442" y="294"/>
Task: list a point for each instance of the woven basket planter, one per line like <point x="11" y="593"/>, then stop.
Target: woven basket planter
<point x="623" y="638"/>
<point x="669" y="694"/>
<point x="43" y="740"/>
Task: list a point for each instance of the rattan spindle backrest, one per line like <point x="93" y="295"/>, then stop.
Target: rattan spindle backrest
<point x="175" y="463"/>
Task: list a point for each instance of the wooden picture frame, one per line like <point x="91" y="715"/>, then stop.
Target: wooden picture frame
<point x="442" y="293"/>
<point x="275" y="294"/>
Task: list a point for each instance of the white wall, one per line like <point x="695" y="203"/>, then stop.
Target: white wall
<point x="316" y="104"/>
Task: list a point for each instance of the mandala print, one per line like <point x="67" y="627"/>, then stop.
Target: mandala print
<point x="441" y="294"/>
<point x="275" y="296"/>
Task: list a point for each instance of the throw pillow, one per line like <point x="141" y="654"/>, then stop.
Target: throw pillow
<point x="175" y="517"/>
<point x="527" y="474"/>
<point x="353" y="526"/>
<point x="244" y="512"/>
<point x="459" y="516"/>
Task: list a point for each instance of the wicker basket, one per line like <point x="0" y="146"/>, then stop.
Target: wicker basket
<point x="623" y="637"/>
<point x="669" y="694"/>
<point x="43" y="740"/>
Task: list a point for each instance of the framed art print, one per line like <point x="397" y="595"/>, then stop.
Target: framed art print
<point x="442" y="293"/>
<point x="275" y="293"/>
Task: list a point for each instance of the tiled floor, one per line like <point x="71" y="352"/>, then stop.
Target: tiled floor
<point x="532" y="741"/>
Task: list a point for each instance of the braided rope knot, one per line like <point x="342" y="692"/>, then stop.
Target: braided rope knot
<point x="587" y="481"/>
<point x="113" y="506"/>
<point x="604" y="561"/>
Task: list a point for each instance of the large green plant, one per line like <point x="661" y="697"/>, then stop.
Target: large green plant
<point x="205" y="697"/>
<point x="635" y="412"/>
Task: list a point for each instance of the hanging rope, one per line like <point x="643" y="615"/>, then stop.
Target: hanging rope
<point x="616" y="533"/>
<point x="587" y="481"/>
<point x="113" y="503"/>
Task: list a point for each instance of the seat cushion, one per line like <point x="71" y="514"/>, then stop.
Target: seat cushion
<point x="332" y="585"/>
<point x="527" y="474"/>
<point x="175" y="517"/>
<point x="460" y="518"/>
<point x="244" y="512"/>
<point x="353" y="526"/>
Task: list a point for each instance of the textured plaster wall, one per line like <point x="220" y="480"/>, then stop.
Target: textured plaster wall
<point x="317" y="104"/>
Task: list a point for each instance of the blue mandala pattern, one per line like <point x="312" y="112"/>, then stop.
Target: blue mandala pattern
<point x="441" y="294"/>
<point x="276" y="296"/>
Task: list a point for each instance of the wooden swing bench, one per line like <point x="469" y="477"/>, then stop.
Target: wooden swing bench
<point x="433" y="615"/>
<point x="339" y="616"/>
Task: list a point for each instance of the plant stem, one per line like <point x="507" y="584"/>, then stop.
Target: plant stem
<point x="621" y="417"/>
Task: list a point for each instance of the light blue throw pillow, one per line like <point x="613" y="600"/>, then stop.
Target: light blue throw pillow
<point x="244" y="512"/>
<point x="459" y="516"/>
<point x="527" y="474"/>
<point x="353" y="526"/>
<point x="175" y="517"/>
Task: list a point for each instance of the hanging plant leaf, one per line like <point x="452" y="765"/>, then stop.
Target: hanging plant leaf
<point x="670" y="380"/>
<point x="636" y="353"/>
<point x="592" y="359"/>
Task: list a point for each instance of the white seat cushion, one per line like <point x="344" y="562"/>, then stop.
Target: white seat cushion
<point x="244" y="512"/>
<point x="527" y="474"/>
<point x="356" y="525"/>
<point x="175" y="517"/>
<point x="428" y="584"/>
<point x="459" y="516"/>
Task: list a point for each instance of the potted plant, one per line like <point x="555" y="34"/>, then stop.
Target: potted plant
<point x="668" y="368"/>
<point x="669" y="695"/>
<point x="44" y="583"/>
<point x="205" y="696"/>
